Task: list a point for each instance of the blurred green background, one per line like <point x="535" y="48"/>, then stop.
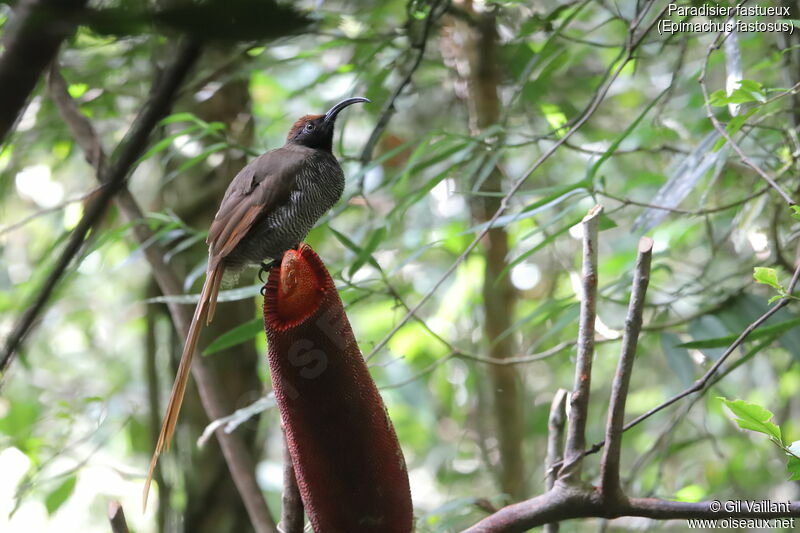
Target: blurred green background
<point x="475" y="92"/>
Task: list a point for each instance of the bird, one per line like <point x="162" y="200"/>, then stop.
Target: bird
<point x="268" y="208"/>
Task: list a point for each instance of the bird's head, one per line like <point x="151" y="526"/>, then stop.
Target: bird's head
<point x="316" y="131"/>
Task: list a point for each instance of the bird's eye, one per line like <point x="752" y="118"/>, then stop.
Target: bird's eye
<point x="309" y="127"/>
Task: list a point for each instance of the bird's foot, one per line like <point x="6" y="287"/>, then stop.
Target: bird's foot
<point x="265" y="268"/>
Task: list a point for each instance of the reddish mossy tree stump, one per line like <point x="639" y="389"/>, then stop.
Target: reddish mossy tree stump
<point x="348" y="462"/>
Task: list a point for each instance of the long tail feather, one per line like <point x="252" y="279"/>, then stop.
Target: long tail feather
<point x="212" y="303"/>
<point x="204" y="309"/>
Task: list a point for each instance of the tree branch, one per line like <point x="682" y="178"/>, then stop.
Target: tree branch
<point x="724" y="132"/>
<point x="388" y="108"/>
<point x="555" y="438"/>
<point x="609" y="468"/>
<point x="701" y="384"/>
<point x="613" y="72"/>
<point x="117" y="517"/>
<point x="568" y="498"/>
<point x="31" y="41"/>
<point x="579" y="401"/>
<point x="565" y="502"/>
<point x="236" y="454"/>
<point x="113" y="180"/>
<point x="292" y="520"/>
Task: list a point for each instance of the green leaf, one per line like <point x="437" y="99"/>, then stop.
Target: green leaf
<point x="690" y="493"/>
<point x="753" y="89"/>
<point x="753" y="417"/>
<point x="793" y="465"/>
<point x="606" y="222"/>
<point x="57" y="497"/>
<point x="733" y="127"/>
<point x="239" y="334"/>
<point x="767" y="276"/>
<point x="164" y="143"/>
<point x="202" y="156"/>
<point x="535" y="208"/>
<point x="350" y="245"/>
<point x="718" y="98"/>
<point x="796" y="212"/>
<point x="76" y="90"/>
<point x="366" y="252"/>
<point x="763" y="331"/>
<point x="748" y="91"/>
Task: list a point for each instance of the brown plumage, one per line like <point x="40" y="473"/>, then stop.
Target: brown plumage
<point x="268" y="208"/>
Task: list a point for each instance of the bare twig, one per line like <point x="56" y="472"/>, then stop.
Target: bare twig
<point x="579" y="399"/>
<point x="41" y="212"/>
<point x="292" y="509"/>
<point x="617" y="65"/>
<point x="31" y="41"/>
<point x="724" y="132"/>
<point x="532" y="358"/>
<point x="555" y="438"/>
<point x="81" y="128"/>
<point x="117" y="517"/>
<point x="564" y="503"/>
<point x="610" y="484"/>
<point x="424" y="372"/>
<point x="701" y="384"/>
<point x="690" y="212"/>
<point x="113" y="180"/>
<point x="388" y="108"/>
<point x="232" y="421"/>
<point x="237" y="456"/>
<point x="458" y="354"/>
<point x="566" y="500"/>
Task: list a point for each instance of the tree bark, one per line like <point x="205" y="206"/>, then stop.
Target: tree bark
<point x="213" y="503"/>
<point x="499" y="296"/>
<point x="31" y="41"/>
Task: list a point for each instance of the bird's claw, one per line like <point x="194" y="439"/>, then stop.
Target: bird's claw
<point x="266" y="267"/>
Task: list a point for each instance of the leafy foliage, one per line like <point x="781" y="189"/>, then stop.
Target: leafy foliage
<point x="75" y="412"/>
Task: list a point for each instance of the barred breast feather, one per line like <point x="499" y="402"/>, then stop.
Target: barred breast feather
<point x="273" y="203"/>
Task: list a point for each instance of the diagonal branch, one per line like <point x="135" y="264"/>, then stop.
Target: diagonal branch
<point x="724" y="132"/>
<point x="619" y="392"/>
<point x="117" y="517"/>
<point x="564" y="503"/>
<point x="237" y="456"/>
<point x="555" y="438"/>
<point x="31" y="41"/>
<point x="113" y="179"/>
<point x="703" y="383"/>
<point x="567" y="499"/>
<point x="292" y="519"/>
<point x="579" y="400"/>
<point x="388" y="108"/>
<point x="613" y="72"/>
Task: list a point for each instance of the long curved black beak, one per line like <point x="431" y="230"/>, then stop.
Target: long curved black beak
<point x="330" y="116"/>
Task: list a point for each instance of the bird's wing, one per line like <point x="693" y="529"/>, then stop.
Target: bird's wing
<point x="258" y="189"/>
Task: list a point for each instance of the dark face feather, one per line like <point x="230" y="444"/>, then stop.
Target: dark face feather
<point x="316" y="131"/>
<point x="311" y="131"/>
